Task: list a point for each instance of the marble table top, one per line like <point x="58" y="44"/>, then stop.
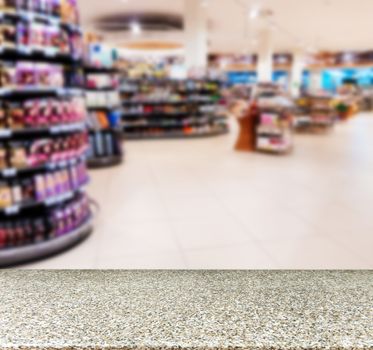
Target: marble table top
<point x="186" y="310"/>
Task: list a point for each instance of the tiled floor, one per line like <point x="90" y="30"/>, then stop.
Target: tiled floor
<point x="198" y="204"/>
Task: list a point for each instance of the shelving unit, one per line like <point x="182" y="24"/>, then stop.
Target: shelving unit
<point x="274" y="119"/>
<point x="315" y="114"/>
<point x="43" y="140"/>
<point x="104" y="109"/>
<point x="274" y="131"/>
<point x="166" y="108"/>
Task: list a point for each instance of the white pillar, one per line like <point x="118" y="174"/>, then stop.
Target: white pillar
<point x="315" y="81"/>
<point x="296" y="75"/>
<point x="265" y="58"/>
<point x="196" y="36"/>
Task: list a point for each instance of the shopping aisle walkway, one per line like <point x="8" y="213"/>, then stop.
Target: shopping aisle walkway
<point x="198" y="204"/>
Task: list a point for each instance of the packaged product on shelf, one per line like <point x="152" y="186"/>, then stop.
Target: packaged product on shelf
<point x="28" y="190"/>
<point x="8" y="75"/>
<point x="26" y="75"/>
<point x="8" y="35"/>
<point x="91" y="147"/>
<point x="42" y="113"/>
<point x="50" y="75"/>
<point x="3" y="157"/>
<point x="3" y="117"/>
<point x="16" y="116"/>
<point x="5" y="195"/>
<point x="73" y="78"/>
<point x="8" y="5"/>
<point x="99" y="144"/>
<point x="33" y="230"/>
<point x="23" y="5"/>
<point x="96" y="99"/>
<point x="54" y="7"/>
<point x="16" y="192"/>
<point x="114" y="118"/>
<point x="40" y="188"/>
<point x="76" y="45"/>
<point x="26" y="154"/>
<point x="98" y="120"/>
<point x="18" y="157"/>
<point x="69" y="11"/>
<point x="109" y="145"/>
<point x="113" y="99"/>
<point x="38" y="36"/>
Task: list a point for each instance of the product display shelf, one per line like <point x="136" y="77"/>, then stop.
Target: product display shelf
<point x="33" y="206"/>
<point x="104" y="110"/>
<point x="156" y="108"/>
<point x="100" y="70"/>
<point x="37" y="55"/>
<point x="274" y="130"/>
<point x="10" y="173"/>
<point x="44" y="208"/>
<point x="21" y="255"/>
<point x="17" y="14"/>
<point x="22" y="92"/>
<point x="6" y="133"/>
<point x="314" y="114"/>
<point x="178" y="134"/>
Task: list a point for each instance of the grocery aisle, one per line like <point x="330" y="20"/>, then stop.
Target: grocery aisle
<point x="198" y="204"/>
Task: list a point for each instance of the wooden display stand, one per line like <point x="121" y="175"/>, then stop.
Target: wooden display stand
<point x="247" y="135"/>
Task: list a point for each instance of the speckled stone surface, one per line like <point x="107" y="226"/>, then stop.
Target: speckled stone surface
<point x="186" y="310"/>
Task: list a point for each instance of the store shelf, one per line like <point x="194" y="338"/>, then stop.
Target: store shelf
<point x="167" y="102"/>
<point x="171" y="108"/>
<point x="101" y="89"/>
<point x="37" y="55"/>
<point x="34" y="91"/>
<point x="23" y="254"/>
<point x="104" y="162"/>
<point x="168" y="124"/>
<point x="100" y="70"/>
<point x="6" y="134"/>
<point x="158" y="81"/>
<point x="106" y="148"/>
<point x="13" y="172"/>
<point x="175" y="135"/>
<point x="43" y="217"/>
<point x="18" y="209"/>
<point x="40" y="18"/>
<point x="103" y="109"/>
<point x="180" y="92"/>
<point x="156" y="114"/>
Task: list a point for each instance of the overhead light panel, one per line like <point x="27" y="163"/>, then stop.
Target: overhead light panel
<point x="254" y="13"/>
<point x="135" y="28"/>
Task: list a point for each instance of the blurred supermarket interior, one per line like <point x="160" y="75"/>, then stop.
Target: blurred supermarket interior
<point x="186" y="134"/>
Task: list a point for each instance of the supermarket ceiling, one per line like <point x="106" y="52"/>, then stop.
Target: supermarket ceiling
<point x="315" y="25"/>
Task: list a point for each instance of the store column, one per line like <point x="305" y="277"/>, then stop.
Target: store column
<point x="296" y="77"/>
<point x="195" y="26"/>
<point x="315" y="81"/>
<point x="265" y="59"/>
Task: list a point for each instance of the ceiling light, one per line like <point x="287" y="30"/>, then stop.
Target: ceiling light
<point x="254" y="13"/>
<point x="135" y="28"/>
